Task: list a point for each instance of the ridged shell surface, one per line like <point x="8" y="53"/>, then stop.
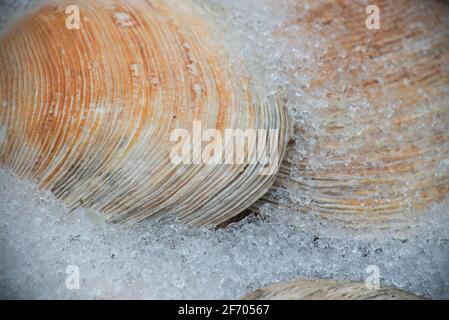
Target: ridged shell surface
<point x="327" y="290"/>
<point x="371" y="120"/>
<point x="88" y="112"/>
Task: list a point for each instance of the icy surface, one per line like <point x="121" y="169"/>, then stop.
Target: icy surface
<point x="39" y="239"/>
<point x="277" y="48"/>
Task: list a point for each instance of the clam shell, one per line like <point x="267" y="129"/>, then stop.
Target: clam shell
<point x="371" y="129"/>
<point x="88" y="112"/>
<point x="301" y="289"/>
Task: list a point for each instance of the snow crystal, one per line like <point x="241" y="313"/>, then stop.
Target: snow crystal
<point x="40" y="239"/>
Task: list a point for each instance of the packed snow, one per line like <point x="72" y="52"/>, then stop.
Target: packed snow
<point x="41" y="242"/>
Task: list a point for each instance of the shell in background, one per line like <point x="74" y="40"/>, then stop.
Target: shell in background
<point x="371" y="121"/>
<point x="88" y="113"/>
<point x="301" y="289"/>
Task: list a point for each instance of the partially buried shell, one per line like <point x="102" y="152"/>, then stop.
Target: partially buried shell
<point x="371" y="121"/>
<point x="88" y="112"/>
<point x="302" y="289"/>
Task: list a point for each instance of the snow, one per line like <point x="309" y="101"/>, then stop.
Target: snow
<point x="40" y="238"/>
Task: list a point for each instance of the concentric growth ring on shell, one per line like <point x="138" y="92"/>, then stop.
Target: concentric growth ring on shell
<point x="88" y="112"/>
